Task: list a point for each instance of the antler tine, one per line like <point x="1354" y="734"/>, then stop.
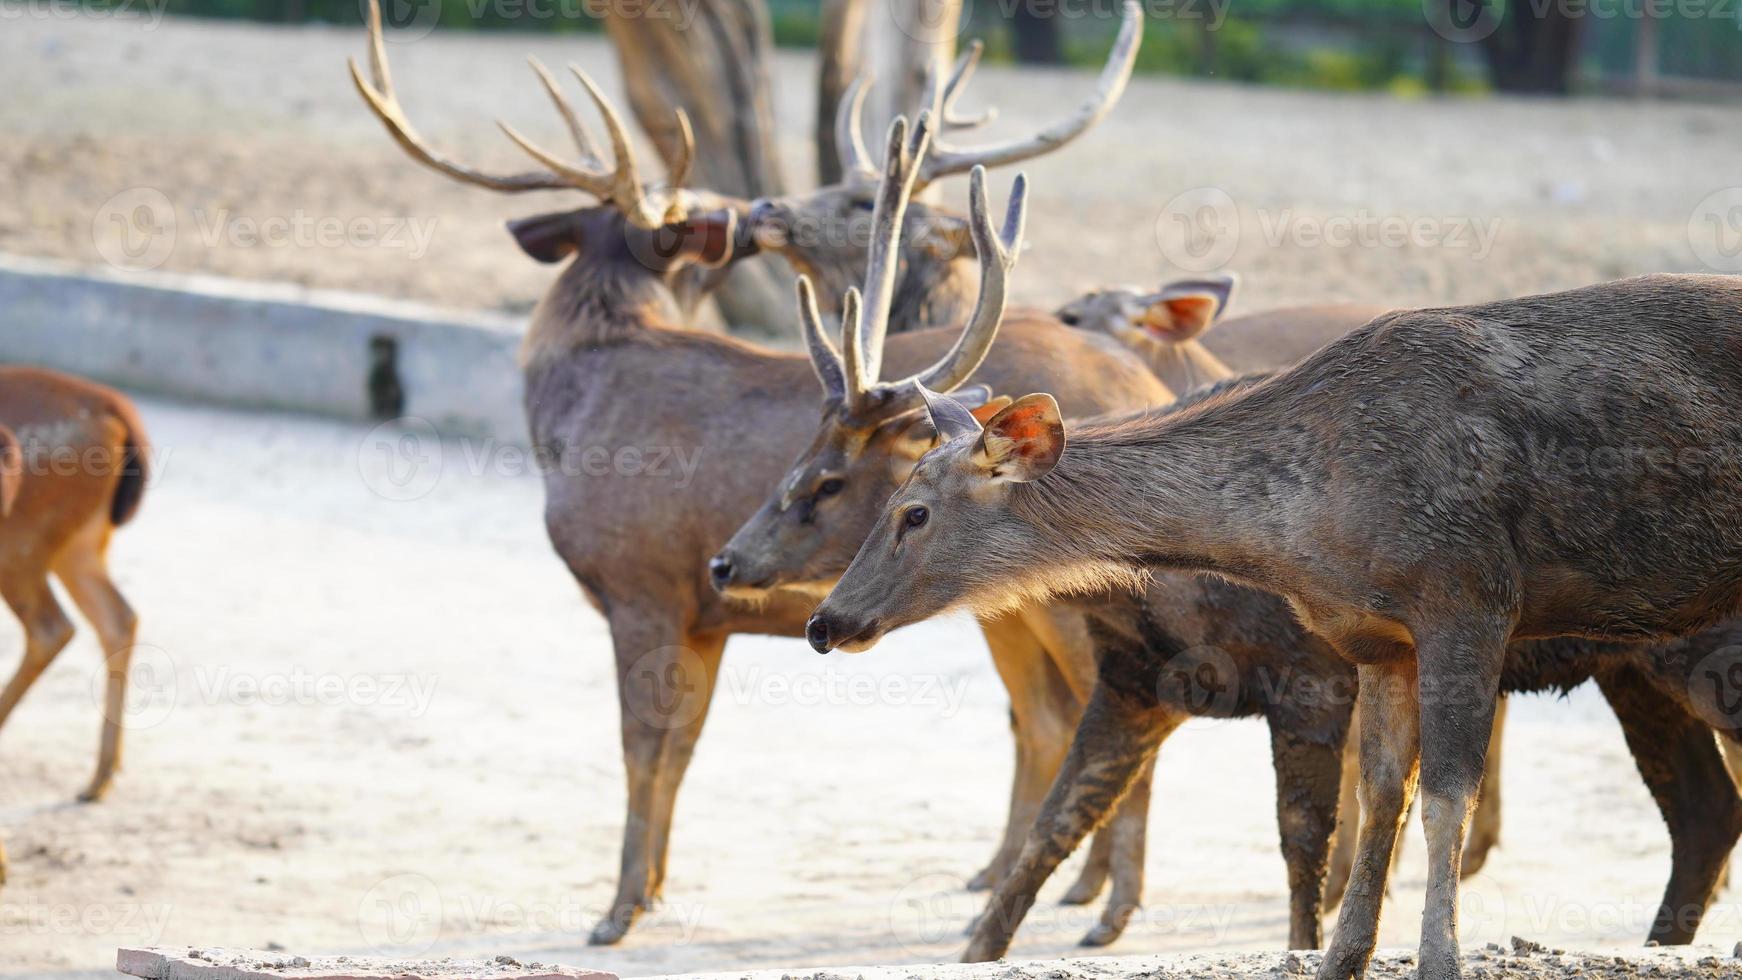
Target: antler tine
<point x="620" y="185"/>
<point x="947" y="160"/>
<point x="852" y="361"/>
<point x="679" y="173"/>
<point x="849" y="137"/>
<point x="577" y="129"/>
<point x="945" y="108"/>
<point x="378" y="92"/>
<point x="900" y="167"/>
<point x="998" y="253"/>
<point x="825" y="360"/>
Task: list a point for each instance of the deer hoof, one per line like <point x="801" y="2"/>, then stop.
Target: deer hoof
<point x="986" y="880"/>
<point x="94" y="793"/>
<point x="611" y="929"/>
<point x="1475" y="856"/>
<point x="1345" y="961"/>
<point x="1084" y="891"/>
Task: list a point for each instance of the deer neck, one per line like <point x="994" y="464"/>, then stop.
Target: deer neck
<point x="1187" y="491"/>
<point x="1186" y="366"/>
<point x="595" y="305"/>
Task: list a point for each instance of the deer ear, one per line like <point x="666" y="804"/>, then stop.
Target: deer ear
<point x="1183" y="310"/>
<point x="1023" y="441"/>
<point x="548" y="237"/>
<point x="949" y="417"/>
<point x="709" y="239"/>
<point x="985" y="413"/>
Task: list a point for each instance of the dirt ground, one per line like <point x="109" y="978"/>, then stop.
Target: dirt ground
<point x="382" y="726"/>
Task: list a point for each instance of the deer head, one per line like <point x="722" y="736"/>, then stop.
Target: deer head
<point x="662" y="227"/>
<point x="801" y="537"/>
<point x="949" y="534"/>
<point x="824" y="234"/>
<point x="1162" y="327"/>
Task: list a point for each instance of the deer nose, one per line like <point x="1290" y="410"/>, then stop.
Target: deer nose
<point x="817" y="633"/>
<point x="720" y="571"/>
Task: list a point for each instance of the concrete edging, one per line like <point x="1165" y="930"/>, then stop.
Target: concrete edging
<point x="261" y="345"/>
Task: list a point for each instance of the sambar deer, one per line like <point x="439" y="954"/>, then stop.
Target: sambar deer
<point x="82" y="462"/>
<point x="611" y="373"/>
<point x="1421" y="492"/>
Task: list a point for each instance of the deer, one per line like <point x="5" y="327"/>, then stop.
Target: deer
<point x="638" y="544"/>
<point x="1418" y="491"/>
<point x="75" y="469"/>
<point x="11" y="468"/>
<point x="823" y="234"/>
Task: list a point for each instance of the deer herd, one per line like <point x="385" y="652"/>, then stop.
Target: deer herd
<point x="1337" y="518"/>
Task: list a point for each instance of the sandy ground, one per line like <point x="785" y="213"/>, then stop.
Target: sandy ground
<point x="236" y="127"/>
<point x="369" y="725"/>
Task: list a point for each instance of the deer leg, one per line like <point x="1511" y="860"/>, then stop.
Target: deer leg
<point x="1130" y="846"/>
<point x="47" y="631"/>
<point x="1460" y="683"/>
<point x="1308" y="779"/>
<point x="682" y="749"/>
<point x="83" y="569"/>
<point x="1485" y="825"/>
<point x="1343" y="839"/>
<point x="1390" y="744"/>
<point x="1117" y="737"/>
<point x="1681" y="765"/>
<point x="662" y="689"/>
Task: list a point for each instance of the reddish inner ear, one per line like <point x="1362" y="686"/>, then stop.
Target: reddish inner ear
<point x="986" y="412"/>
<point x="1027" y="429"/>
<point x="1180" y="317"/>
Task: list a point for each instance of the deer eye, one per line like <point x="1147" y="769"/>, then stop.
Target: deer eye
<point x="916" y="518"/>
<point x="1069" y="319"/>
<point x="830" y="487"/>
<point x="864" y="205"/>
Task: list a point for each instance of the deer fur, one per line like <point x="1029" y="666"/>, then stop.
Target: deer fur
<point x="81" y="460"/>
<point x="1413" y="491"/>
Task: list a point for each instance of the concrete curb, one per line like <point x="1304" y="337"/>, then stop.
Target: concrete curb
<point x="264" y="345"/>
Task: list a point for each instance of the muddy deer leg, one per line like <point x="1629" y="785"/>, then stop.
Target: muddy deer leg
<point x="662" y="687"/>
<point x="47" y="631"/>
<point x="1036" y="723"/>
<point x="1129" y="833"/>
<point x="1389" y="734"/>
<point x="1118" y="735"/>
<point x="1485" y="825"/>
<point x="1460" y="683"/>
<point x="1681" y="765"/>
<point x="1097" y="866"/>
<point x="84" y="571"/>
<point x="1348" y="830"/>
<point x="1308" y="778"/>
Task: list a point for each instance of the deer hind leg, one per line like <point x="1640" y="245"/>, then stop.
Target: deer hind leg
<point x="1681" y="765"/>
<point x="1129" y="835"/>
<point x="1117" y="738"/>
<point x="1485" y="825"/>
<point x="663" y="690"/>
<point x="1308" y="779"/>
<point x="1390" y="744"/>
<point x="47" y="631"/>
<point x="83" y="569"/>
<point x="1343" y="839"/>
<point x="708" y="649"/>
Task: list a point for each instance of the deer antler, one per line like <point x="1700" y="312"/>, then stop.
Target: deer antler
<point x="849" y="376"/>
<point x="856" y="162"/>
<point x="946" y="160"/>
<point x="942" y="102"/>
<point x="617" y="185"/>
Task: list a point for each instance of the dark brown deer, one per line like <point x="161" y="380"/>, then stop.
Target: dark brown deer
<point x="81" y="461"/>
<point x="823" y="233"/>
<point x="1420" y="491"/>
<point x="611" y="376"/>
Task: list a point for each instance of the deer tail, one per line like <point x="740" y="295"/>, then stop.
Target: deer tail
<point x="135" y="466"/>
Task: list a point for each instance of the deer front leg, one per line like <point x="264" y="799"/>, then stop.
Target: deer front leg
<point x="1118" y="735"/>
<point x="1128" y="834"/>
<point x="663" y="690"/>
<point x="1308" y="777"/>
<point x="1389" y="754"/>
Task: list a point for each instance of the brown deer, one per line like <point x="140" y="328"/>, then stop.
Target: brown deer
<point x="80" y="473"/>
<point x="11" y="469"/>
<point x="823" y="233"/>
<point x="612" y="378"/>
<point x="1420" y="491"/>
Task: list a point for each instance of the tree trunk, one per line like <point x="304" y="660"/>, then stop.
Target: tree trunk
<point x="904" y="39"/>
<point x="1534" y="48"/>
<point x="714" y="63"/>
<point x="1036" y="35"/>
<point x="838" y="62"/>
